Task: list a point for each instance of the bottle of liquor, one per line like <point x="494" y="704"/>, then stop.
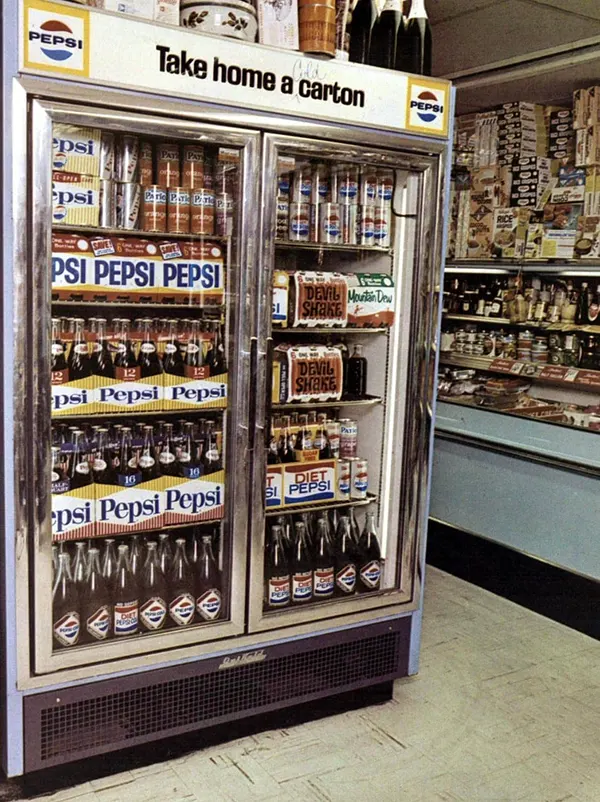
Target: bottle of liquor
<point x="324" y="565"/>
<point x="96" y="612"/>
<point x="357" y="374"/>
<point x="79" y="360"/>
<point x="590" y="358"/>
<point x="148" y="359"/>
<point x="208" y="583"/>
<point x="182" y="601"/>
<point x="153" y="592"/>
<point x="414" y="42"/>
<point x="382" y="51"/>
<point x="277" y="579"/>
<point x="126" y="598"/>
<point x="345" y="567"/>
<point x="364" y="15"/>
<point x="101" y="361"/>
<point x="369" y="572"/>
<point x="173" y="358"/>
<point x="581" y="313"/>
<point x="65" y="606"/>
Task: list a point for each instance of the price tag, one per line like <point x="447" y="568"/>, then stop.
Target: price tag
<point x="553" y="373"/>
<point x="571" y="375"/>
<point x="591" y="378"/>
<point x="507" y="366"/>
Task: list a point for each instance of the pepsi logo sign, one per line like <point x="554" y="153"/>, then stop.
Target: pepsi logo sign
<point x="56" y="40"/>
<point x="427" y="106"/>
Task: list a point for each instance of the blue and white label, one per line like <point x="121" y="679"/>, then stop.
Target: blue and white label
<point x="70" y="513"/>
<point x="278" y="591"/>
<point x="208" y="605"/>
<point x="311" y="483"/>
<point x="98" y="624"/>
<point x="66" y="629"/>
<point x="370" y="574"/>
<point x="197" y="393"/>
<point x="129" y="395"/>
<point x="126" y="617"/>
<point x="66" y="398"/>
<point x="345" y="578"/>
<point x="128" y="508"/>
<point x="302" y="586"/>
<point x="323" y="582"/>
<point x="182" y="609"/>
<point x="153" y="613"/>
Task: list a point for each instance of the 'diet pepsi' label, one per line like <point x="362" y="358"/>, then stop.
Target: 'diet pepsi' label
<point x="370" y="574"/>
<point x="302" y="586"/>
<point x="153" y="613"/>
<point x="126" y="617"/>
<point x="66" y="629"/>
<point x="345" y="578"/>
<point x="98" y="624"/>
<point x="182" y="609"/>
<point x="209" y="605"/>
<point x="279" y="591"/>
<point x="323" y="582"/>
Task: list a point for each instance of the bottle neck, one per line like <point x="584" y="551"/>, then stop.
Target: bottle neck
<point x="417" y="10"/>
<point x="392" y="5"/>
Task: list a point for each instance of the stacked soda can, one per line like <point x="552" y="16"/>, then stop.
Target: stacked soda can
<point x="283" y="206"/>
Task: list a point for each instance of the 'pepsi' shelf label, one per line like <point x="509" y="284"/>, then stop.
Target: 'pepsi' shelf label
<point x="306" y="483"/>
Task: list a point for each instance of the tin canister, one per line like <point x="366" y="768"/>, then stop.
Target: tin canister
<point x="348" y="183"/>
<point x="178" y="210"/>
<point x="366" y="225"/>
<point x="333" y="434"/>
<point x="348" y="438"/>
<point x="193" y="167"/>
<point x="223" y="214"/>
<point x="146" y="163"/>
<point x="202" y="209"/>
<point x="108" y="204"/>
<point x="330" y="224"/>
<point x="302" y="186"/>
<point x="359" y="478"/>
<point x="381" y="232"/>
<point x="128" y="159"/>
<point x="167" y="165"/>
<point x="350" y="217"/>
<point x="299" y="230"/>
<point x="154" y="208"/>
<point x="320" y="184"/>
<point x="343" y="479"/>
<point x="283" y="217"/>
<point x="385" y="186"/>
<point x="108" y="155"/>
<point x="129" y="199"/>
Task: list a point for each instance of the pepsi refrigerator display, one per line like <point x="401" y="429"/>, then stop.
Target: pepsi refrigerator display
<point x="219" y="308"/>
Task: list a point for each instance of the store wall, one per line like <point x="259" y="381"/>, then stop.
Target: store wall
<point x="546" y="512"/>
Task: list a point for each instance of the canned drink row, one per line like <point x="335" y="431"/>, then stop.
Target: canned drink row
<point x="334" y="223"/>
<point x="353" y="478"/>
<point x="154" y="209"/>
<point x="346" y="184"/>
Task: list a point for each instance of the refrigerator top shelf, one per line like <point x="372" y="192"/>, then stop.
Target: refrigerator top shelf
<point x="328" y="330"/>
<point x="324" y="505"/>
<point x="323" y="246"/>
<point x="369" y="401"/>
<point x="132" y="305"/>
<point x="530" y="324"/>
<point x="132" y="413"/>
<point x="125" y="232"/>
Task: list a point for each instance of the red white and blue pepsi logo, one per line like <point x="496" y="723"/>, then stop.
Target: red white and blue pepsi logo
<point x="56" y="40"/>
<point x="182" y="609"/>
<point x="153" y="613"/>
<point x="209" y="605"/>
<point x="428" y="107"/>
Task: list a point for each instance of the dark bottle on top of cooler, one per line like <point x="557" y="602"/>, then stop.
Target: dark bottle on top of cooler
<point x="324" y="564"/>
<point x="364" y="15"/>
<point x="345" y="566"/>
<point x="413" y="52"/>
<point x="153" y="592"/>
<point x="301" y="567"/>
<point x="96" y="612"/>
<point x="66" y="620"/>
<point x="382" y="52"/>
<point x="208" y="583"/>
<point x="182" y="601"/>
<point x="277" y="577"/>
<point x="369" y="572"/>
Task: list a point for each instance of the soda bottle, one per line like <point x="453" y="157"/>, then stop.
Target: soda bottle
<point x="357" y="374"/>
<point x="324" y="573"/>
<point x="153" y="592"/>
<point x="363" y="18"/>
<point x="273" y="457"/>
<point x="345" y="568"/>
<point x="194" y="353"/>
<point x="135" y="555"/>
<point x="79" y="469"/>
<point x="211" y="459"/>
<point x="215" y="358"/>
<point x="301" y="567"/>
<point x="96" y="613"/>
<point x="148" y="358"/>
<point x="102" y="464"/>
<point x="65" y="606"/>
<point x="126" y="596"/>
<point x="369" y="573"/>
<point x="59" y="478"/>
<point x="181" y="588"/>
<point x="208" y="583"/>
<point x="355" y="531"/>
<point x="167" y="458"/>
<point x="79" y="360"/>
<point x="321" y="442"/>
<point x="285" y="522"/>
<point x="125" y="357"/>
<point x="101" y="361"/>
<point x="277" y="571"/>
<point x="147" y="459"/>
<point x="109" y="564"/>
<point x="59" y="360"/>
<point x="286" y="441"/>
<point x="303" y="438"/>
<point x="173" y="358"/>
<point x="413" y="48"/>
<point x="165" y="553"/>
<point x="307" y="521"/>
<point x="189" y="461"/>
<point x="80" y="565"/>
<point x="128" y="471"/>
<point x="382" y="48"/>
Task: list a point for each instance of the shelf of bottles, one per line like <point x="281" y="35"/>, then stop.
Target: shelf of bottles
<point x="139" y="398"/>
<point x="565" y="267"/>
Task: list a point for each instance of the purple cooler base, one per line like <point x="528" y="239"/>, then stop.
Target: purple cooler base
<point x="101" y="717"/>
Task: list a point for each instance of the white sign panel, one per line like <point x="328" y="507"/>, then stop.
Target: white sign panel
<point x="113" y="50"/>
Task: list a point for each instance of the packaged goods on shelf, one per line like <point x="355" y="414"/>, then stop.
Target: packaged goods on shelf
<point x="302" y="483"/>
<point x="587" y="243"/>
<point x="166" y="11"/>
<point x="307" y="373"/>
<point x="510" y="232"/>
<point x="76" y="149"/>
<point x="278" y="24"/>
<point x="75" y="199"/>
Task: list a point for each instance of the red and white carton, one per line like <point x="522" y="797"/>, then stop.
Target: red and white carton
<point x="309" y="483"/>
<point x="188" y="500"/>
<point x="73" y="514"/>
<point x="191" y="273"/>
<point x="122" y="509"/>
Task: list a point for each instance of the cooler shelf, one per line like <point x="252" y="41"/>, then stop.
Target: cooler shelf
<point x="323" y="246"/>
<point x="126" y="232"/>
<point x="587" y="328"/>
<point x="324" y="505"/>
<point x="130" y="305"/>
<point x="132" y="413"/>
<point x="370" y="401"/>
<point x="328" y="330"/>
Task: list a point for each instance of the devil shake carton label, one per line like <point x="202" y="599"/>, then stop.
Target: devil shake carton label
<point x="309" y="482"/>
<point x="281" y="286"/>
<point x="76" y="149"/>
<point x="320" y="299"/>
<point x="73" y="512"/>
<point x="274" y="490"/>
<point x="130" y="506"/>
<point x="181" y="392"/>
<point x="371" y="299"/>
<point x="315" y="373"/>
<point x="191" y="273"/>
<point x="75" y="199"/>
<point x="187" y="500"/>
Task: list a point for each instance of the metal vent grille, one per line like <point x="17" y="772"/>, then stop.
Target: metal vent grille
<point x="71" y="729"/>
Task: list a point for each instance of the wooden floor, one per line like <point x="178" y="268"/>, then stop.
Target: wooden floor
<point x="506" y="708"/>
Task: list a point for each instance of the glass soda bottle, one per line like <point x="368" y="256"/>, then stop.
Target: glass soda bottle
<point x="211" y="460"/>
<point x="80" y="565"/>
<point x="277" y="571"/>
<point x="168" y="457"/>
<point x="126" y="597"/>
<point x="165" y="553"/>
<point x="101" y="361"/>
<point x="182" y="603"/>
<point x="96" y="612"/>
<point x="65" y="606"/>
<point x="369" y="573"/>
<point x="173" y="358"/>
<point x="59" y="360"/>
<point x="80" y="474"/>
<point x="208" y="583"/>
<point x="147" y="459"/>
<point x="324" y="573"/>
<point x="79" y="360"/>
<point x="102" y="466"/>
<point x="357" y="374"/>
<point x="345" y="567"/>
<point x="301" y="567"/>
<point x="109" y="564"/>
<point x="148" y="358"/>
<point x="153" y="592"/>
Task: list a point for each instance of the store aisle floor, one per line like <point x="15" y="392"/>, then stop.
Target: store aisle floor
<point x="506" y="708"/>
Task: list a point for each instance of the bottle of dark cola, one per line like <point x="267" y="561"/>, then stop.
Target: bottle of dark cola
<point x="208" y="583"/>
<point x="128" y="472"/>
<point x="277" y="578"/>
<point x="167" y="458"/>
<point x="59" y="359"/>
<point x="413" y="51"/>
<point x="59" y="478"/>
<point x="364" y="15"/>
<point x="148" y="358"/>
<point x="79" y="360"/>
<point x="382" y="52"/>
<point x="182" y="601"/>
<point x="345" y="567"/>
<point x="125" y="358"/>
<point x="165" y="553"/>
<point x="109" y="564"/>
<point x="102" y="465"/>
<point x="357" y="374"/>
<point x="153" y="592"/>
<point x="65" y="606"/>
<point x="173" y="358"/>
<point x="80" y="474"/>
<point x="301" y="567"/>
<point x="194" y="353"/>
<point x="126" y="597"/>
<point x="189" y="461"/>
<point x="211" y="461"/>
<point x="96" y="613"/>
<point x="147" y="460"/>
<point x="369" y="574"/>
<point x="101" y="361"/>
<point x="324" y="566"/>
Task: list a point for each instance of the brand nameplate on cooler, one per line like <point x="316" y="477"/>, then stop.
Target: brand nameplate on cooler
<point x="274" y="489"/>
<point x="309" y="482"/>
<point x="188" y="500"/>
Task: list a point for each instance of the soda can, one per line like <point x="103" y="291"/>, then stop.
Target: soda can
<point x="154" y="208"/>
<point x="333" y="433"/>
<point x="108" y="204"/>
<point x="301" y="186"/>
<point x="167" y="164"/>
<point x="366" y="225"/>
<point x="348" y="184"/>
<point x="385" y="186"/>
<point x="146" y="164"/>
<point x="223" y="215"/>
<point x="299" y="230"/>
<point x="107" y="156"/>
<point x="128" y="159"/>
<point x="178" y="214"/>
<point x="368" y="186"/>
<point x="348" y="438"/>
<point x="129" y="198"/>
<point x="320" y="184"/>
<point x="284" y="183"/>
<point x="359" y="478"/>
<point x="193" y="166"/>
<point x="283" y="217"/>
<point x="330" y="224"/>
<point x="343" y="479"/>
<point x="381" y="233"/>
<point x="349" y="215"/>
<point x="202" y="210"/>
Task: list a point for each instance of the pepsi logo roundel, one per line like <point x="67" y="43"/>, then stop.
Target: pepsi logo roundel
<point x="55" y="39"/>
<point x="428" y="106"/>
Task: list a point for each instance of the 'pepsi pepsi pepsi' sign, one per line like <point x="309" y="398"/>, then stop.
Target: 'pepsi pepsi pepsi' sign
<point x="60" y="38"/>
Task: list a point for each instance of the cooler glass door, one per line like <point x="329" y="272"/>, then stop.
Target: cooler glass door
<point x="345" y="380"/>
<point x="140" y="267"/>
